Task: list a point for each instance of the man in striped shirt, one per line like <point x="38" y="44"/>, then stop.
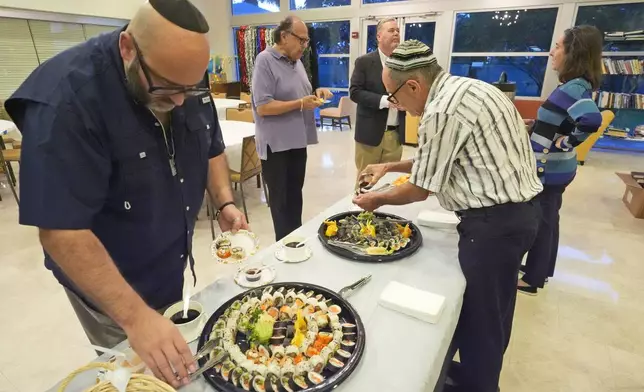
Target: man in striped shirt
<point x="475" y="156"/>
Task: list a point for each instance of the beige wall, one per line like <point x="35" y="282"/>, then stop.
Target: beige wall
<point x="216" y="11"/>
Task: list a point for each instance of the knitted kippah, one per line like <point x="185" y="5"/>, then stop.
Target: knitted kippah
<point x="182" y="13"/>
<point x="410" y="55"/>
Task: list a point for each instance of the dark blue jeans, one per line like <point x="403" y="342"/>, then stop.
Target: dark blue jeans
<point x="542" y="257"/>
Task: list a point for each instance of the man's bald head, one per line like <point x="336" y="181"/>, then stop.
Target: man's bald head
<point x="172" y="43"/>
<point x="291" y="37"/>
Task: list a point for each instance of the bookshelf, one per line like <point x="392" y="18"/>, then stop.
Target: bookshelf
<point x="622" y="91"/>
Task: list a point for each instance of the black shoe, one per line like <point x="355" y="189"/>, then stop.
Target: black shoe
<point x="529" y="290"/>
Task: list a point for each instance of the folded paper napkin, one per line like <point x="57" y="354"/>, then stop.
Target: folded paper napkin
<point x="443" y="220"/>
<point x="413" y="302"/>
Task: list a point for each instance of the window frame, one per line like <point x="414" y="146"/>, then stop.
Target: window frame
<point x="548" y="71"/>
<point x="337" y="55"/>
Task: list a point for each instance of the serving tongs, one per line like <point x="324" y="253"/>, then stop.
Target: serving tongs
<point x="346" y="291"/>
<point x="349" y="246"/>
<point x="370" y="188"/>
<point x="222" y="356"/>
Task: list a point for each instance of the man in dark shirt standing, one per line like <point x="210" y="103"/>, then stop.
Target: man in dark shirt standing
<point x="120" y="141"/>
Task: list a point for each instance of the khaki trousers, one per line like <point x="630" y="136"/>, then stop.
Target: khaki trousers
<point x="389" y="150"/>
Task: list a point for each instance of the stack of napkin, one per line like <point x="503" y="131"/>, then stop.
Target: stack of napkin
<point x="413" y="302"/>
<point x="442" y="220"/>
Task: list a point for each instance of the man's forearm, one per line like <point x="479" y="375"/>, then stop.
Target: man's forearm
<point x="219" y="187"/>
<point x="400" y="167"/>
<point x="83" y="258"/>
<point x="404" y="194"/>
<point x="275" y="108"/>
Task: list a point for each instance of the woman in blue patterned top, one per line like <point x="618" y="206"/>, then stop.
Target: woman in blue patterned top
<point x="564" y="121"/>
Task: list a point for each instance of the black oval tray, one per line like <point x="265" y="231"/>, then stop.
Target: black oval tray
<point x="411" y="248"/>
<point x="348" y="314"/>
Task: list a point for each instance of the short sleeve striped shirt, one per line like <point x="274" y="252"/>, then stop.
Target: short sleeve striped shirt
<point x="473" y="148"/>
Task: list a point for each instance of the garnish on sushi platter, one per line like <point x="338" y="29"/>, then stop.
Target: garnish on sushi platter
<point x="283" y="338"/>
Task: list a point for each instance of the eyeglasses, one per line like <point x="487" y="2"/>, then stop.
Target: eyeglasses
<point x="189" y="91"/>
<point x="391" y="97"/>
<point x="303" y="41"/>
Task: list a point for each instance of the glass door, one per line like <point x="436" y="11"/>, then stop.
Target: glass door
<point x="419" y="28"/>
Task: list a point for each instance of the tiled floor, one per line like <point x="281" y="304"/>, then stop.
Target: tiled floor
<point x="584" y="332"/>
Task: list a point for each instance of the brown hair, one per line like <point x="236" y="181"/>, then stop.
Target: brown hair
<point x="583" y="55"/>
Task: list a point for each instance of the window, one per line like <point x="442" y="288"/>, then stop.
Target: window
<point x="18" y="55"/>
<point x="614" y="18"/>
<point x="244" y="7"/>
<point x="516" y="42"/>
<point x="308" y="4"/>
<point x="372" y="40"/>
<point x="421" y="31"/>
<point x="96" y="30"/>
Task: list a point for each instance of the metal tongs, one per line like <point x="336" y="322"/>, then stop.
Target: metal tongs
<point x="346" y="291"/>
<point x="364" y="187"/>
<point x="205" y="351"/>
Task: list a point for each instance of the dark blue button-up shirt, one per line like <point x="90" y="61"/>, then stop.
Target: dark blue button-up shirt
<point x="93" y="158"/>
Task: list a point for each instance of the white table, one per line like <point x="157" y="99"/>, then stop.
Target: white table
<point x="234" y="133"/>
<point x="401" y="353"/>
<point x="9" y="129"/>
<point x="224" y="103"/>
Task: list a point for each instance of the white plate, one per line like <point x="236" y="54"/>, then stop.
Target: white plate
<point x="268" y="275"/>
<point x="243" y="239"/>
<point x="279" y="255"/>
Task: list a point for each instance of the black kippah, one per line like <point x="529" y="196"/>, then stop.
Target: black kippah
<point x="182" y="13"/>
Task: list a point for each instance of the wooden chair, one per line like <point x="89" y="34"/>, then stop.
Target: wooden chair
<point x="219" y="95"/>
<point x="245" y="97"/>
<point x="584" y="148"/>
<point x="337" y="115"/>
<point x="245" y="115"/>
<point x="251" y="166"/>
<point x="6" y="157"/>
<point x="411" y="129"/>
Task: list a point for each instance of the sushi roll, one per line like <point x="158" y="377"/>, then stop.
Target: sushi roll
<point x="350" y="336"/>
<point x="261" y="370"/>
<point x="303" y="367"/>
<point x="266" y="298"/>
<point x="289" y="298"/>
<point x="272" y="384"/>
<point x="278" y="351"/>
<point x="319" y="297"/>
<point x="278" y="299"/>
<point x="298" y="383"/>
<point x="315" y="378"/>
<point x="273" y="312"/>
<point x="292" y="351"/>
<point x="311" y="336"/>
<point x="334" y="318"/>
<point x="268" y="290"/>
<point x="235" y="375"/>
<point x="245" y="299"/>
<point x="348" y="327"/>
<point x="231" y="323"/>
<point x="334" y="365"/>
<point x="342" y="355"/>
<point x="288" y="369"/>
<point x="286" y="313"/>
<point x="277" y="340"/>
<point x="309" y="294"/>
<point x="274" y="369"/>
<point x="248" y="366"/>
<point x="290" y="331"/>
<point x="263" y="352"/>
<point x="333" y="346"/>
<point x="348" y="345"/>
<point x="337" y="336"/>
<point x="259" y="384"/>
<point x="325" y="354"/>
<point x="285" y="383"/>
<point x="323" y="306"/>
<point x="336" y="326"/>
<point x="218" y="367"/>
<point x="218" y="333"/>
<point x="236" y="305"/>
<point x="244" y="308"/>
<point x="312" y="301"/>
<point x="220" y="324"/>
<point x="313" y="327"/>
<point x="245" y="381"/>
<point x="317" y="363"/>
<point x="281" y="290"/>
<point x="226" y="369"/>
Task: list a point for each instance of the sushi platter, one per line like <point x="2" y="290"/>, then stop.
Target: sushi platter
<point x="283" y="337"/>
<point x="370" y="236"/>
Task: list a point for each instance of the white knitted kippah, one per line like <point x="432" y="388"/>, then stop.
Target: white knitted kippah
<point x="410" y="55"/>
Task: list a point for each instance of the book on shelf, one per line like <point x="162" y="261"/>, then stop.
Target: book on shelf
<point x="616" y="132"/>
<point x="622" y="67"/>
<point x="608" y="100"/>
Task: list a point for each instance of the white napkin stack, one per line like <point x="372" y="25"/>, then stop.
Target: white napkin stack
<point x="413" y="302"/>
<point x="436" y="219"/>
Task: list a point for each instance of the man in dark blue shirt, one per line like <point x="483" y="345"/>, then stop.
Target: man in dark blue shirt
<point x="120" y="142"/>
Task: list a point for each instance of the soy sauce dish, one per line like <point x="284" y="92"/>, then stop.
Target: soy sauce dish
<point x="191" y="326"/>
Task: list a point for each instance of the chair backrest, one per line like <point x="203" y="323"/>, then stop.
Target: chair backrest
<point x="245" y="97"/>
<point x="219" y="95"/>
<point x="607" y="117"/>
<point x="250" y="164"/>
<point x="245" y="115"/>
<point x="345" y="106"/>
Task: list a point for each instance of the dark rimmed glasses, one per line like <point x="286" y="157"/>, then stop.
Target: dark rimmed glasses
<point x="303" y="41"/>
<point x="189" y="91"/>
<point x="391" y="98"/>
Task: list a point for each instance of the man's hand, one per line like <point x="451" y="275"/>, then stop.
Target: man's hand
<point x="232" y="219"/>
<point x="310" y="102"/>
<point x="367" y="201"/>
<point x="559" y="143"/>
<point x="160" y="345"/>
<point x="373" y="173"/>
<point x="323" y="93"/>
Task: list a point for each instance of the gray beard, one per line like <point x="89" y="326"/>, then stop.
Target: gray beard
<point x="140" y="93"/>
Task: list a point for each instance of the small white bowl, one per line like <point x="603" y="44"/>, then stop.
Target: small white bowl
<point x="294" y="253"/>
<point x="192" y="329"/>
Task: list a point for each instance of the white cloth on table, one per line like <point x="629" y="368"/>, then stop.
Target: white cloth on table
<point x="222" y="104"/>
<point x="234" y="133"/>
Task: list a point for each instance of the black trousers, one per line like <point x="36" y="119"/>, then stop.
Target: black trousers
<point x="542" y="257"/>
<point x="284" y="175"/>
<point x="492" y="243"/>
